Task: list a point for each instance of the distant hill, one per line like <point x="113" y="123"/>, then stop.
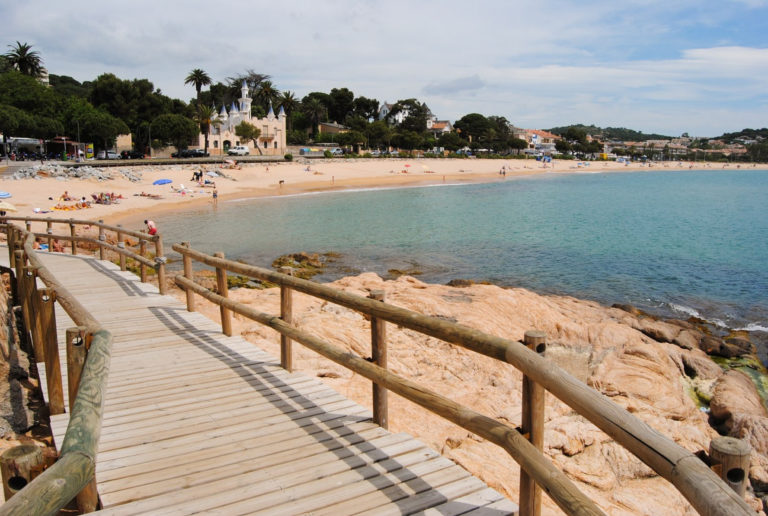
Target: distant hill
<point x="751" y="134"/>
<point x="611" y="133"/>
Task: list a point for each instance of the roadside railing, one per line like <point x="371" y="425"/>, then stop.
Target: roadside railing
<point x="705" y="491"/>
<point x="88" y="356"/>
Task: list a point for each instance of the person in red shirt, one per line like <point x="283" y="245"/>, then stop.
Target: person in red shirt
<point x="151" y="227"/>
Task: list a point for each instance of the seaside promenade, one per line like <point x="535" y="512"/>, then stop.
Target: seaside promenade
<point x="195" y="421"/>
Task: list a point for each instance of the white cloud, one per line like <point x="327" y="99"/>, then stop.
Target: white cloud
<point x="547" y="63"/>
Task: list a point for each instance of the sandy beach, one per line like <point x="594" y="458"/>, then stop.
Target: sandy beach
<point x="40" y="196"/>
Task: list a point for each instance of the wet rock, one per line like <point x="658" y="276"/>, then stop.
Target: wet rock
<point x="735" y="396"/>
<point x="460" y="283"/>
<point x="735" y="348"/>
<point x="688" y="339"/>
<point x="658" y="330"/>
<point x="627" y="308"/>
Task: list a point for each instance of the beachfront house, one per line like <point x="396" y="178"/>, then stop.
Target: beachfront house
<point x="271" y="141"/>
<point x="539" y="141"/>
<point x="437" y="128"/>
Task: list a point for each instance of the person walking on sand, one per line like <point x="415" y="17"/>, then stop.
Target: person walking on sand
<point x="215" y="197"/>
<point x="151" y="227"/>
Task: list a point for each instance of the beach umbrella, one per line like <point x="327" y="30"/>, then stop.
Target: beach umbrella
<point x="6" y="206"/>
<point x="162" y="182"/>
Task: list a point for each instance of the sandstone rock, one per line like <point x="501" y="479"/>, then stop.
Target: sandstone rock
<point x="736" y="395"/>
<point x="688" y="339"/>
<point x="658" y="330"/>
<point x="644" y="373"/>
<point x="735" y="348"/>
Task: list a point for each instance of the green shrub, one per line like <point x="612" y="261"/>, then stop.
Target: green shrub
<point x="327" y="154"/>
<point x="288" y="157"/>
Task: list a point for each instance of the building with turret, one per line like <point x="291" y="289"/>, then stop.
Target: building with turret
<point x="222" y="135"/>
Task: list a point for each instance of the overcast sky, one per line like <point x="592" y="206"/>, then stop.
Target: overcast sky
<point x="657" y="66"/>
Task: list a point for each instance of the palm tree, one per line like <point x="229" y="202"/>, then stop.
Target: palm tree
<point x="289" y="103"/>
<point x="199" y="78"/>
<point x="267" y="94"/>
<point x="315" y="110"/>
<point x="206" y="117"/>
<point x="24" y="59"/>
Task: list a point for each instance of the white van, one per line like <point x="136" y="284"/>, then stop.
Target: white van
<point x="239" y="150"/>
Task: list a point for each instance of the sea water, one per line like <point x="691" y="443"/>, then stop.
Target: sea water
<point x="676" y="242"/>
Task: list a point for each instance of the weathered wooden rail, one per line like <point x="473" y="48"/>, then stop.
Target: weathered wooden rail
<point x="73" y="473"/>
<point x="706" y="492"/>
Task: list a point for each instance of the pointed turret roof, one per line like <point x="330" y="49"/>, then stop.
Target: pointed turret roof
<point x="271" y="113"/>
<point x="281" y="112"/>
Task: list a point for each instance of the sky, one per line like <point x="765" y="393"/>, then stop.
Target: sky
<point x="665" y="67"/>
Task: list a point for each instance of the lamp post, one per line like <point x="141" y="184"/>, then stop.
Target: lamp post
<point x="78" y="140"/>
<point x="150" y="139"/>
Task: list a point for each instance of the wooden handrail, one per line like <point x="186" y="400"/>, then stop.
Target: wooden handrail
<point x="83" y="222"/>
<point x="158" y="263"/>
<point x="74" y="470"/>
<point x="706" y="492"/>
<point x="559" y="487"/>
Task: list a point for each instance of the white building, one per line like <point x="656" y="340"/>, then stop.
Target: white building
<point x="271" y="141"/>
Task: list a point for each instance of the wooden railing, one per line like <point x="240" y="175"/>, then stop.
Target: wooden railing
<point x="73" y="472"/>
<point x="89" y="350"/>
<point x="139" y="252"/>
<point x="706" y="492"/>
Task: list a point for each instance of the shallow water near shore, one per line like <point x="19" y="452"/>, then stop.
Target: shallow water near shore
<point x="680" y="244"/>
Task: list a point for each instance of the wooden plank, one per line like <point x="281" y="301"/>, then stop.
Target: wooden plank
<point x="268" y="474"/>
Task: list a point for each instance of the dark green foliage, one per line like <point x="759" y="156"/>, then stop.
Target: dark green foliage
<point x="609" y="133"/>
<point x="176" y="130"/>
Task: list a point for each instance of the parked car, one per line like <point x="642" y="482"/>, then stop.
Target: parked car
<point x="107" y="155"/>
<point x="337" y="152"/>
<point x="239" y="150"/>
<point x="198" y="153"/>
<point x="131" y="154"/>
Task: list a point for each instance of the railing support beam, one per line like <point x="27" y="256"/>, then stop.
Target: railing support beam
<point x="286" y="314"/>
<point x="533" y="425"/>
<point x="379" y="357"/>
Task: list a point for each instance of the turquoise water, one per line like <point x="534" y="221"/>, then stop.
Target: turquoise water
<point x="677" y="243"/>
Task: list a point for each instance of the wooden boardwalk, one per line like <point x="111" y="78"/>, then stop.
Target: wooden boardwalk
<point x="196" y="421"/>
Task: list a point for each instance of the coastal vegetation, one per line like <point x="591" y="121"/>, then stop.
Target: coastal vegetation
<point x="101" y="109"/>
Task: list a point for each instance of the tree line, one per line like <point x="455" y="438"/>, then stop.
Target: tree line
<point x="101" y="109"/>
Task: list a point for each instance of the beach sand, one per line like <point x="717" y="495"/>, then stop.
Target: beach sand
<point x="37" y="197"/>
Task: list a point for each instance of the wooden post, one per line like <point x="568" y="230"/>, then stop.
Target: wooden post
<point x="72" y="234"/>
<point x="88" y="499"/>
<point x="102" y="240"/>
<point x="286" y="314"/>
<point x="19" y="466"/>
<point x="379" y="355"/>
<point x="121" y="245"/>
<point x="188" y="274"/>
<point x="12" y="246"/>
<point x="30" y="293"/>
<point x="533" y="426"/>
<point x="21" y="298"/>
<point x="143" y="266"/>
<point x="76" y="354"/>
<point x="730" y="460"/>
<point x="46" y="299"/>
<point x="49" y="230"/>
<point x="221" y="283"/>
<point x="28" y="225"/>
<point x="160" y="260"/>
